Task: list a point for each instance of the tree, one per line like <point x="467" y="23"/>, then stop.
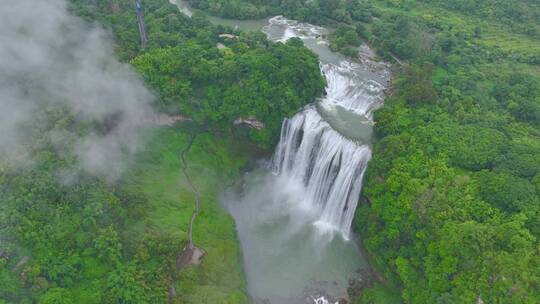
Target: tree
<point x="124" y="285"/>
<point x="417" y="86"/>
<point x="57" y="296"/>
<point x="507" y="192"/>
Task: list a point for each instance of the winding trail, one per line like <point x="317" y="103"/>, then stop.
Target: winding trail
<point x="190" y="255"/>
<point x="195" y="191"/>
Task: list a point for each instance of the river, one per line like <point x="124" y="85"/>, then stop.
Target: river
<point x="294" y="212"/>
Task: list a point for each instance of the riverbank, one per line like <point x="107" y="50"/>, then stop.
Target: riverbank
<point x="213" y="162"/>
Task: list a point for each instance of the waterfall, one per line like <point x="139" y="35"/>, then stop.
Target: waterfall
<point x="348" y="90"/>
<point x="311" y="152"/>
<point x="329" y="166"/>
<point x="316" y="179"/>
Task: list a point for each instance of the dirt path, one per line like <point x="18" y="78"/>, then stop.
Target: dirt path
<point x="191" y="255"/>
<point x="195" y="191"/>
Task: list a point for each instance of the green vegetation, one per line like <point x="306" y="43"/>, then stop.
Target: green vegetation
<point x="69" y="237"/>
<point x="380" y="294"/>
<point x="236" y="9"/>
<point x="451" y="205"/>
<point x="451" y="212"/>
<point x="218" y="86"/>
<point x="247" y="77"/>
<point x="101" y="243"/>
<point x="213" y="162"/>
<point x="344" y="39"/>
<point x="452" y="198"/>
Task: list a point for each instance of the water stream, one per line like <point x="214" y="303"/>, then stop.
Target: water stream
<point x="294" y="213"/>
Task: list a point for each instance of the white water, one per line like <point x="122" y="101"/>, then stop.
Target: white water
<point x="288" y="219"/>
<point x="348" y="90"/>
<point x="328" y="166"/>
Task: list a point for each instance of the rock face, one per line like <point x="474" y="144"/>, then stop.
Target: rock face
<point x="250" y="122"/>
<point x="115" y="8"/>
<point x="366" y="278"/>
<point x="479" y="300"/>
<point x="172" y="292"/>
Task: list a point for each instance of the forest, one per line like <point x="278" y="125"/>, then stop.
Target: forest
<point x="452" y="195"/>
<point x="248" y="77"/>
<point x="72" y="235"/>
<point x="450" y="211"/>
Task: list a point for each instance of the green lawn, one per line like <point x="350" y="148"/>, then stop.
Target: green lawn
<point x="213" y="162"/>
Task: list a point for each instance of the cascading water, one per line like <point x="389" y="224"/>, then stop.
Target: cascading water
<point x="329" y="165"/>
<point x="287" y="220"/>
<point x="348" y="90"/>
<point x="314" y="181"/>
<point x="326" y="164"/>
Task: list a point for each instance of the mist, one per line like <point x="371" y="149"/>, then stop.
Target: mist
<point x="49" y="57"/>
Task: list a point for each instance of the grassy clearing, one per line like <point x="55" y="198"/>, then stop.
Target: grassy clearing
<point x="498" y="38"/>
<point x="213" y="162"/>
<point x="494" y="36"/>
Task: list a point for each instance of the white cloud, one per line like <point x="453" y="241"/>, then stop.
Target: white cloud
<point x="48" y="56"/>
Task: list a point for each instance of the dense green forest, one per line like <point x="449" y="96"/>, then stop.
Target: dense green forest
<point x="81" y="238"/>
<point x="247" y="77"/>
<point x="218" y="86"/>
<point x="96" y="242"/>
<point x="517" y="21"/>
<point x="452" y="194"/>
<point x="451" y="204"/>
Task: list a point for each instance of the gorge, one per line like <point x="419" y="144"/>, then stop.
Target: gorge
<point x="294" y="212"/>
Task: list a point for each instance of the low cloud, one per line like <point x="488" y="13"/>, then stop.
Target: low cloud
<point x="49" y="57"/>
